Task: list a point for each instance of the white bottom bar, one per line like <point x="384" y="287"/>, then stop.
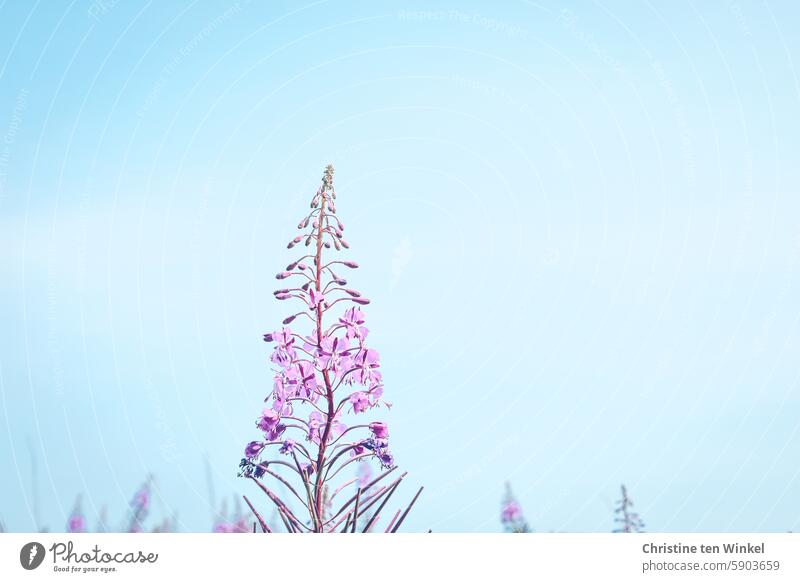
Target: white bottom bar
<point x="769" y="557"/>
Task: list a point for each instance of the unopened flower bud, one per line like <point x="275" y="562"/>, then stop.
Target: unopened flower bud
<point x="282" y="275"/>
<point x="282" y="296"/>
<point x="289" y="319"/>
<point x="267" y="337"/>
<point x="344" y="244"/>
<point x="351" y="264"/>
<point x="353" y="292"/>
<point x="361" y="300"/>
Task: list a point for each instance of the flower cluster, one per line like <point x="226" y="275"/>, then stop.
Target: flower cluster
<point x="139" y="507"/>
<point x="236" y="523"/>
<point x="76" y="522"/>
<point x="132" y="522"/>
<point x="628" y="521"/>
<point x="324" y="375"/>
<point x="511" y="516"/>
<point x="313" y="368"/>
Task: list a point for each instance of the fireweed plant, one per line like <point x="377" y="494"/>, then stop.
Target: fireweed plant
<point x="323" y="376"/>
<point x="139" y="507"/>
<point x="76" y="523"/>
<point x="511" y="516"/>
<point x="628" y="520"/>
<point x="137" y="512"/>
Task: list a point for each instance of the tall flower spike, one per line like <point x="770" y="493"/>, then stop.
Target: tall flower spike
<point x="325" y="375"/>
<point x="76" y="522"/>
<point x="628" y="520"/>
<point x="139" y="508"/>
<point x="102" y="520"/>
<point x="511" y="516"/>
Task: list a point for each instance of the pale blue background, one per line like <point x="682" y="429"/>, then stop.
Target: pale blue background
<point x="578" y="223"/>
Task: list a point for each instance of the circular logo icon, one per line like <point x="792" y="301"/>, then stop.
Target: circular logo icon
<point x="31" y="555"/>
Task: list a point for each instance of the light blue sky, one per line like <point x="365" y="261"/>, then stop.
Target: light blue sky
<point x="577" y="223"/>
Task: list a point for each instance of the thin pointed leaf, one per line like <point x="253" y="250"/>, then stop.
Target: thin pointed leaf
<point x="410" y="505"/>
<point x="264" y="526"/>
<point x="375" y="516"/>
<point x="355" y="510"/>
<point x="391" y="523"/>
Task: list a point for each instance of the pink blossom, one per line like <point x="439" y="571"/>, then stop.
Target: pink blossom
<point x="269" y="423"/>
<point x="511" y="512"/>
<point x="284" y="353"/>
<point x="315" y="298"/>
<point x="353" y="320"/>
<point x="379" y="429"/>
<point x="511" y="516"/>
<point x="375" y="393"/>
<point x="76" y="524"/>
<point x="302" y="378"/>
<point x="315" y="421"/>
<point x="283" y="338"/>
<point x="360" y="401"/>
<point x="367" y="363"/>
<point x="316" y="427"/>
<point x="332" y="351"/>
<point x="252" y="449"/>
